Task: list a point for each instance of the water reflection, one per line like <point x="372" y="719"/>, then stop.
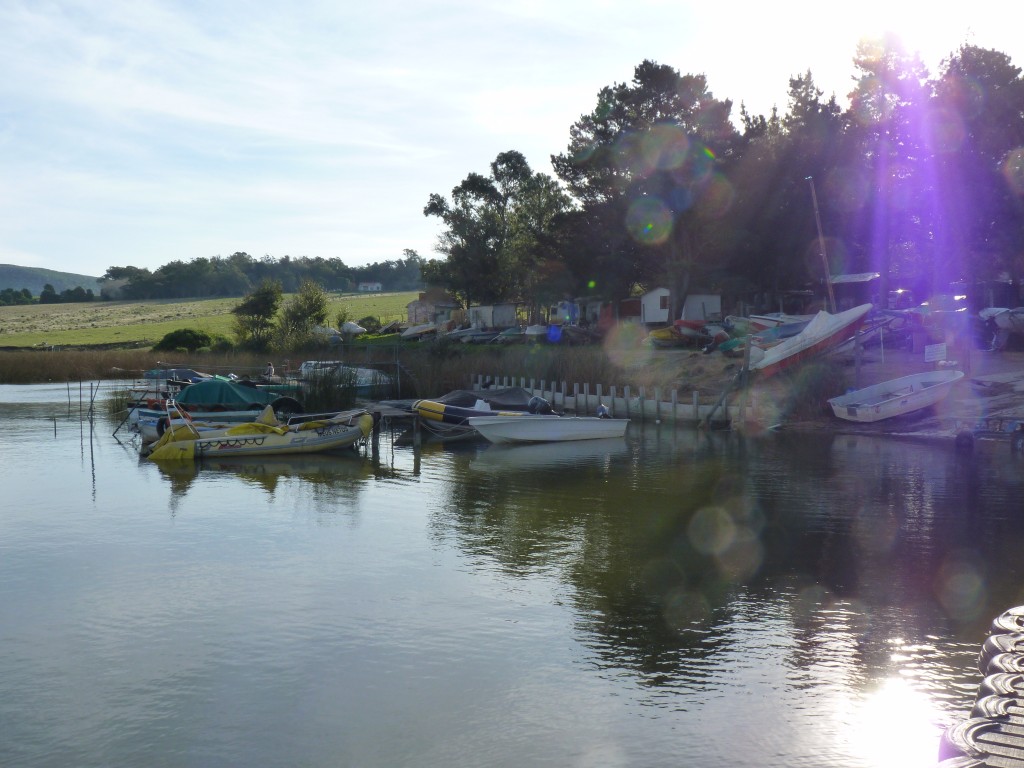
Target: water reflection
<point x="742" y="601"/>
<point x="336" y="473"/>
<point x="820" y="550"/>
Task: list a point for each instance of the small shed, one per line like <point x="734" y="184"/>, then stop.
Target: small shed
<point x="493" y="316"/>
<point x="370" y="287"/>
<point x="590" y="311"/>
<point x="432" y="306"/>
<point x="623" y="311"/>
<point x="564" y="313"/>
<point x="654" y="306"/>
<point x="702" y="306"/>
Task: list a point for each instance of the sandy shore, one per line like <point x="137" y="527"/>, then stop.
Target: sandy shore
<point x="992" y="389"/>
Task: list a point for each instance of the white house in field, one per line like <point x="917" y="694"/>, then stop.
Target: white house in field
<point x="369" y="287"/>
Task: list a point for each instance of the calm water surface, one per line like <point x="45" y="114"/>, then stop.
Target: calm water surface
<point x="671" y="599"/>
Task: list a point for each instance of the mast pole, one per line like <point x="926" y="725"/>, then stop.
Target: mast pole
<point x="821" y="247"/>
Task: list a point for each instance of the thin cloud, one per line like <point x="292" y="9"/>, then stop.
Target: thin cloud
<point x="141" y="131"/>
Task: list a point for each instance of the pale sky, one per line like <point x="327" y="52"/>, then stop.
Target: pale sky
<point x="136" y="132"/>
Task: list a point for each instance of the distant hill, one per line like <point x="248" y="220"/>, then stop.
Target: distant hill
<point x="34" y="279"/>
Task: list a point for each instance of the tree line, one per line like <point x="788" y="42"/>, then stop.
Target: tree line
<point x="12" y="296"/>
<point x="240" y="273"/>
<point x="920" y="179"/>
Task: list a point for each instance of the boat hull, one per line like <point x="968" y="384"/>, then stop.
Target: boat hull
<point x="543" y="429"/>
<point x="823" y="333"/>
<point x="432" y="410"/>
<point x="151" y="422"/>
<point x="254" y="439"/>
<point x="896" y="397"/>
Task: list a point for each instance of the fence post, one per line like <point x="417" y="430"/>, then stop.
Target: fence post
<point x="696" y="407"/>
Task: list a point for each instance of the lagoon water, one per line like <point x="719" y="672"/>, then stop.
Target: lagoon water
<point x="672" y="599"/>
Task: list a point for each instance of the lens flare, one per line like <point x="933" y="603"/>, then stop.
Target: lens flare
<point x="649" y="221"/>
<point x="1013" y="170"/>
<point x="718" y="197"/>
<point x="664" y="147"/>
<point x="960" y="588"/>
<point x="948" y="131"/>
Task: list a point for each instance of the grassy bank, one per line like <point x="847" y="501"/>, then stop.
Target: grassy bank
<point x="143" y="323"/>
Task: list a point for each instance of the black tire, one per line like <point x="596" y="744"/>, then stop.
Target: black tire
<point x="286" y="406"/>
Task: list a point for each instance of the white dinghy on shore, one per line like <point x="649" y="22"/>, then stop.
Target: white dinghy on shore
<point x="896" y="397"/>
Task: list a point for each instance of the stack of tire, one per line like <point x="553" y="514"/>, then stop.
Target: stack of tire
<point x="994" y="733"/>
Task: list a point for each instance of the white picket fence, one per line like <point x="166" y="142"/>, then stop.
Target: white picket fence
<point x="657" y="406"/>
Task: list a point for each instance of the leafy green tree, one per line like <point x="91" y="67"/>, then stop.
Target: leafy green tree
<point x="190" y="339"/>
<point x="48" y="295"/>
<point x="254" y="316"/>
<point x="496" y="225"/>
<point x="11" y="297"/>
<point x="306" y="309"/>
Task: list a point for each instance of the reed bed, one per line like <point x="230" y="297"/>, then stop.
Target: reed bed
<point x="418" y="369"/>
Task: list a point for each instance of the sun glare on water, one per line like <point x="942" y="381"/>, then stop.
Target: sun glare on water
<point x="895" y="727"/>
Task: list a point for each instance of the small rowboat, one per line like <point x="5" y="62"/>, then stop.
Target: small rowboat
<point x="895" y="397"/>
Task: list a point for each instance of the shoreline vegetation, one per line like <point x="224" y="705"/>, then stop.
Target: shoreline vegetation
<point x="427" y="369"/>
<point x="102" y="341"/>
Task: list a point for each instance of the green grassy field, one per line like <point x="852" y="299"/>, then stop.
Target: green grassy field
<point x="143" y="323"/>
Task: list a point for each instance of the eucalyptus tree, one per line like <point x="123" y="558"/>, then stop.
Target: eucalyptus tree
<point x="647" y="161"/>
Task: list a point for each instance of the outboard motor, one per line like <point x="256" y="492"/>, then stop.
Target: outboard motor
<point x="603" y="412"/>
<point x="538" y="405"/>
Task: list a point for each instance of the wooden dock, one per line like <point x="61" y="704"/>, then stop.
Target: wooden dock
<point x="993" y="735"/>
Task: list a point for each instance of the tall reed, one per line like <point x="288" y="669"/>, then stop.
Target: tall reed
<point x="417" y="369"/>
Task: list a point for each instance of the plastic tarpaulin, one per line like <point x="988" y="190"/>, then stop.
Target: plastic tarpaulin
<point x="224" y="393"/>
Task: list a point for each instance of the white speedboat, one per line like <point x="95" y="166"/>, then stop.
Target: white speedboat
<point x="545" y="429"/>
<point x="823" y="333"/>
<point x="895" y="397"/>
